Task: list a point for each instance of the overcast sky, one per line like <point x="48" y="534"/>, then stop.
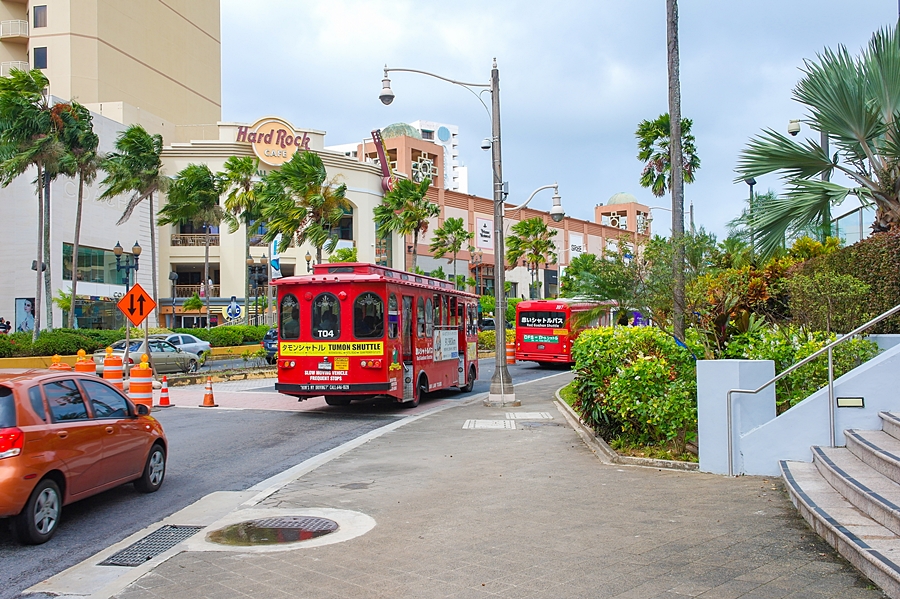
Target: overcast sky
<point x="576" y="77"/>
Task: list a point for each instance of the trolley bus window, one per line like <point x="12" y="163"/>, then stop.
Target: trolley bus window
<point x="290" y="317"/>
<point x="407" y="328"/>
<point x="429" y="318"/>
<point x="368" y="316"/>
<point x="445" y="315"/>
<point x="393" y="317"/>
<point x="453" y="315"/>
<point x="420" y="318"/>
<point x="472" y="326"/>
<point x="326" y="317"/>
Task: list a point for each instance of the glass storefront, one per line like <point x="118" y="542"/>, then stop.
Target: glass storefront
<point x="94" y="265"/>
<point x="96" y="313"/>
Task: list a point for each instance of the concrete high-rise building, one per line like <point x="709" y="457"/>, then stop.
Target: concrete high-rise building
<point x="456" y="177"/>
<point x="134" y="61"/>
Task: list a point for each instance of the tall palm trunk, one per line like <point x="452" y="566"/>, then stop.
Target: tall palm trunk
<point x="48" y="291"/>
<point x="676" y="166"/>
<point x="155" y="290"/>
<point x="75" y="242"/>
<point x="40" y="255"/>
<point x="206" y="274"/>
<point x="415" y="249"/>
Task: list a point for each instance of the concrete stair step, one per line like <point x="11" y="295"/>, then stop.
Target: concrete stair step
<point x="890" y="423"/>
<point x="860" y="484"/>
<point x="873" y="549"/>
<point x="878" y="449"/>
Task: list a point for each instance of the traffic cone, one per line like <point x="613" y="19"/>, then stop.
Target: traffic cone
<point x="164" y="394"/>
<point x="208" y="401"/>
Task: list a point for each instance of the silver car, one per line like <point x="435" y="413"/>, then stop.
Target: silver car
<point x="186" y="342"/>
<point x="167" y="358"/>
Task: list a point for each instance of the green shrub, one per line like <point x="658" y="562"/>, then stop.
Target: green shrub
<point x="225" y="336"/>
<point x="636" y="384"/>
<point x="65" y="342"/>
<point x="487" y="340"/>
<point x="788" y="345"/>
<point x="16" y="345"/>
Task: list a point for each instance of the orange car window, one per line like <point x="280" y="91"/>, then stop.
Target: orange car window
<point x="105" y="401"/>
<point x="66" y="403"/>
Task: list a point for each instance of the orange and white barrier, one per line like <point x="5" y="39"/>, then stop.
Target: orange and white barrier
<point x="56" y="363"/>
<point x="85" y="364"/>
<point x="164" y="394"/>
<point x="140" y="383"/>
<point x="208" y="399"/>
<point x="510" y="353"/>
<point x="112" y="369"/>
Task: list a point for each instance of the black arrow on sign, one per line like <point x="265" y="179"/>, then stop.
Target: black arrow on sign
<point x="141" y="302"/>
<point x="131" y="305"/>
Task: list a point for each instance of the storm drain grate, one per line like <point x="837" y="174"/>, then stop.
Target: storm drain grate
<point x="155" y="543"/>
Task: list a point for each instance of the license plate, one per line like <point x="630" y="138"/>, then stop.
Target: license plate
<point x="541" y="346"/>
<point x="324" y="365"/>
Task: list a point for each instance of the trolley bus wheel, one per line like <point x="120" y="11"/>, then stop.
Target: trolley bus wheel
<point x="470" y="381"/>
<point x="418" y="393"/>
<point x="337" y="401"/>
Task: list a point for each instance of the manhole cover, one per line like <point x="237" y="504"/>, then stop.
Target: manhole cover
<point x="273" y="531"/>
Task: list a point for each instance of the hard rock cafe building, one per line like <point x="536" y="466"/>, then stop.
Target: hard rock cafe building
<point x="274" y="140"/>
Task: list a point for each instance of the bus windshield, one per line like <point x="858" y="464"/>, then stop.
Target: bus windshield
<point x="544" y="319"/>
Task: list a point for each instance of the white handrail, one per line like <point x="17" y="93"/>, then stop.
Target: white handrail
<point x="827" y="348"/>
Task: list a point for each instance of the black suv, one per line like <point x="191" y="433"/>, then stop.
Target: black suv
<point x="270" y="343"/>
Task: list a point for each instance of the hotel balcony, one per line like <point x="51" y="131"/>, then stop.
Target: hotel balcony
<point x="14" y="31"/>
<point x="7" y="67"/>
<point x="190" y="290"/>
<point x="193" y="240"/>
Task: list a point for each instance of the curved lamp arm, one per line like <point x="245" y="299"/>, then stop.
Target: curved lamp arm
<point x="387" y="94"/>
<point x="556" y="212"/>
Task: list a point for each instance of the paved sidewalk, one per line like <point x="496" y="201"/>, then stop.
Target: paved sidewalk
<point x="529" y="512"/>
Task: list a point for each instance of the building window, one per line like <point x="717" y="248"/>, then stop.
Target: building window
<point x="40" y="16"/>
<point x="94" y="265"/>
<point x="40" y="58"/>
<point x="427" y="134"/>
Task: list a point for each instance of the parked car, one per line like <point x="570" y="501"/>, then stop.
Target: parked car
<point x="167" y="358"/>
<point x="270" y="343"/>
<point x="65" y="436"/>
<point x="486" y="324"/>
<point x="188" y="343"/>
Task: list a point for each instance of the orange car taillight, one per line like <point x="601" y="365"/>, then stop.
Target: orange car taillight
<point x="11" y="442"/>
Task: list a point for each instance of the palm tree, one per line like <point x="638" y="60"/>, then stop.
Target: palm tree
<point x="136" y="167"/>
<point x="654" y="151"/>
<point x="242" y="205"/>
<point x="29" y="137"/>
<point x="302" y="205"/>
<point x="532" y="240"/>
<point x="193" y="197"/>
<point x="854" y="101"/>
<point x="82" y="144"/>
<point x="450" y="237"/>
<point x="675" y="157"/>
<point x="405" y="210"/>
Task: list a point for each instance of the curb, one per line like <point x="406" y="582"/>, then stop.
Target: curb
<point x="607" y="454"/>
<point x="196" y="379"/>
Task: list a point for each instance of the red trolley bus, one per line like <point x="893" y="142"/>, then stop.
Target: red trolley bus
<point x="355" y="331"/>
<point x="544" y="331"/>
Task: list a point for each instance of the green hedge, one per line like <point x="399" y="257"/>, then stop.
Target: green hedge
<point x="229" y="335"/>
<point x="874" y="261"/>
<point x="487" y="340"/>
<point x="788" y="345"/>
<point x="636" y="385"/>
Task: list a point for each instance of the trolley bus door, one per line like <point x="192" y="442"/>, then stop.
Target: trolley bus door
<point x="406" y="318"/>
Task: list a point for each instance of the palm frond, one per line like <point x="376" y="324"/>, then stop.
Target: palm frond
<point x="771" y="152"/>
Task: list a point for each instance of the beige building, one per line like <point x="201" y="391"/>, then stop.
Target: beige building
<point x="134" y="61"/>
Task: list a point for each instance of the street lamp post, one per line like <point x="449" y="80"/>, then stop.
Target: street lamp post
<point x="502" y="393"/>
<point x="130" y="264"/>
<point x="173" y="276"/>
<point x="256" y="277"/>
<point x="751" y="182"/>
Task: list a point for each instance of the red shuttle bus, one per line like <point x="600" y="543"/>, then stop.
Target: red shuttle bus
<point x="544" y="330"/>
<point x="355" y="331"/>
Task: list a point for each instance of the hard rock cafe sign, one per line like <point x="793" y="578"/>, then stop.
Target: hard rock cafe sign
<point x="274" y="141"/>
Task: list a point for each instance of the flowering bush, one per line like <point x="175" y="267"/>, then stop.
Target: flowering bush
<point x="637" y="385"/>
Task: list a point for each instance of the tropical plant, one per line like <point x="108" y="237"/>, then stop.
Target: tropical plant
<point x="854" y="101"/>
<point x="193" y="197"/>
<point x="405" y="210"/>
<point x="136" y="167"/>
<point x="192" y="304"/>
<point x="450" y="238"/>
<point x="242" y="205"/>
<point x="344" y="255"/>
<point x="82" y="143"/>
<point x="302" y="205"/>
<point x="829" y="301"/>
<point x="29" y="137"/>
<point x="532" y="240"/>
<point x="654" y="149"/>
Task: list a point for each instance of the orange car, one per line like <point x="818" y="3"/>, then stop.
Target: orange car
<point x="65" y="436"/>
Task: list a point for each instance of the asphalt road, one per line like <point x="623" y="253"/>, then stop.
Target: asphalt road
<point x="227" y="450"/>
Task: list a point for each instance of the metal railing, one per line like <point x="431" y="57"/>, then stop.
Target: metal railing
<point x="190" y="290"/>
<point x="14" y="28"/>
<point x="193" y="239"/>
<point x="7" y="67"/>
<point x="827" y="349"/>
